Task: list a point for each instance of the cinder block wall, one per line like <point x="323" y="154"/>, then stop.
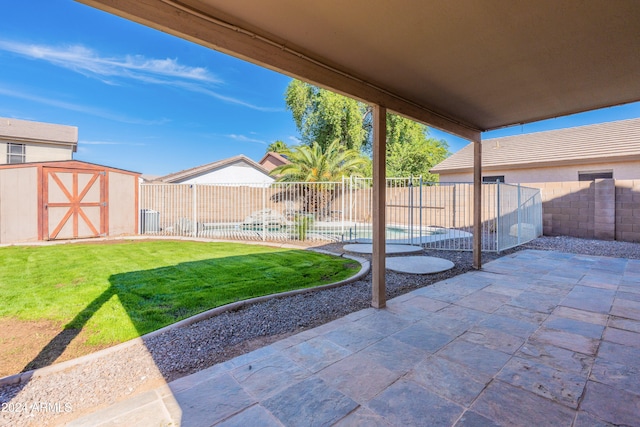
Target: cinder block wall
<point x="604" y="209"/>
<point x="627" y="205"/>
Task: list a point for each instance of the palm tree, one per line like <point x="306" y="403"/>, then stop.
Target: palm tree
<point x="314" y="167"/>
<point x="277" y="147"/>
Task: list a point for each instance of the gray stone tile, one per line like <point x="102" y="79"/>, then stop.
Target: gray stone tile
<point x="423" y="335"/>
<point x="536" y="301"/>
<point x="258" y="354"/>
<point x="394" y="355"/>
<point x="449" y="379"/>
<point x="362" y="417"/>
<point x="556" y="357"/>
<point x="619" y="376"/>
<point x="405" y="403"/>
<point x="494" y="339"/>
<point x="502" y="289"/>
<point x="566" y="340"/>
<point x="473" y="419"/>
<point x="521" y="313"/>
<point x="316" y="354"/>
<point x="426" y="304"/>
<point x="564" y="387"/>
<point x="585" y="420"/>
<point x="142" y="403"/>
<point x="589" y="330"/>
<point x="626" y="324"/>
<point x="487" y="302"/>
<point x="509" y="325"/>
<point x="589" y="299"/>
<point x="310" y="403"/>
<point x="626" y="308"/>
<point x="621" y="336"/>
<point x="266" y="376"/>
<point x="629" y="296"/>
<point x="212" y="401"/>
<point x="581" y="315"/>
<point x="551" y="288"/>
<point x="255" y="415"/>
<point x="384" y="322"/>
<point x="612" y="405"/>
<point x="354" y="336"/>
<point x="509" y="405"/>
<point x="619" y="353"/>
<point x="475" y="356"/>
<point x="460" y="318"/>
<point x="358" y="378"/>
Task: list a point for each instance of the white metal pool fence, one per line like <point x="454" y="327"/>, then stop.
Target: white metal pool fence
<point x="435" y="215"/>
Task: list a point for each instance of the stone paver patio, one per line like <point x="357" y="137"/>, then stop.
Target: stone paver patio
<point x="534" y="339"/>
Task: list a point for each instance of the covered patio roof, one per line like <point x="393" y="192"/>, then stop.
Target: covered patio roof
<point x="460" y="66"/>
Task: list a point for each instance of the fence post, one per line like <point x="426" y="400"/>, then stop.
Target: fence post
<point x="410" y="219"/>
<point x="195" y="208"/>
<point x="498" y="216"/>
<point x="420" y="212"/>
<point x="519" y="215"/>
<point x="264" y="213"/>
<point x="342" y="196"/>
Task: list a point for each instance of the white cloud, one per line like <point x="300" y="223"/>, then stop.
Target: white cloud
<point x="78" y="107"/>
<point x="243" y="138"/>
<point x="294" y="139"/>
<point x="113" y="70"/>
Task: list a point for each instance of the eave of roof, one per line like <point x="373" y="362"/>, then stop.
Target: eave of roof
<point x="209" y="167"/>
<point x="604" y="142"/>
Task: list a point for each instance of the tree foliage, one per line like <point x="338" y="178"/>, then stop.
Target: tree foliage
<point x="315" y="164"/>
<point x="322" y="117"/>
<point x="277" y="147"/>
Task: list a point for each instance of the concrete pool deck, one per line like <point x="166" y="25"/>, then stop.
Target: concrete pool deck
<point x="534" y="338"/>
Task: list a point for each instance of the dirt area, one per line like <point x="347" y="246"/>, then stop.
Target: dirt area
<point x="25" y="345"/>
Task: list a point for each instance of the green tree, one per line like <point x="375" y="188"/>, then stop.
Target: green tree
<point x="323" y="117"/>
<point x="319" y="169"/>
<point x="416" y="158"/>
<point x="277" y="147"/>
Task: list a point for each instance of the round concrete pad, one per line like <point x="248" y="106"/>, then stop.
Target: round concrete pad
<point x="418" y="264"/>
<point x="367" y="248"/>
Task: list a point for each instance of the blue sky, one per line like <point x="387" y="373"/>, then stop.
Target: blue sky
<point x="150" y="102"/>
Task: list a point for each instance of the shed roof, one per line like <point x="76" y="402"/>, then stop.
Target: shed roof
<point x="603" y="142"/>
<point x="463" y="66"/>
<point x="210" y="167"/>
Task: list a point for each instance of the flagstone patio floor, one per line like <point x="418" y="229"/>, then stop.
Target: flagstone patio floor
<point x="535" y="338"/>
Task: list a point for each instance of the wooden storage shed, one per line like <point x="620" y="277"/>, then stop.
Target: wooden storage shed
<point x="66" y="200"/>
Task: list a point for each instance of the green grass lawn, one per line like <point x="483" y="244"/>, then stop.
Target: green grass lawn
<point x="118" y="291"/>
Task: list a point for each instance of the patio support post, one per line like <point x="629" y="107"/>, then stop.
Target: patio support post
<point x="477" y="202"/>
<point x="379" y="297"/>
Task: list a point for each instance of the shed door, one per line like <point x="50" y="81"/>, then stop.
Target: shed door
<point x="74" y="203"/>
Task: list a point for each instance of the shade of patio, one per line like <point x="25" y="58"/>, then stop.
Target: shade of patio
<point x="536" y="338"/>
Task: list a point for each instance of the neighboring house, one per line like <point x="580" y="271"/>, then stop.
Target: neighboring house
<point x="24" y="141"/>
<point x="238" y="170"/>
<point x="272" y="160"/>
<point x="585" y="153"/>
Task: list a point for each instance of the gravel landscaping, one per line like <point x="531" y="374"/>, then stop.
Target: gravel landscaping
<point x="102" y="381"/>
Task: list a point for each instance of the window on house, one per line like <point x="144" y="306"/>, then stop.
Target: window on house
<point x="593" y="175"/>
<point x="16" y="153"/>
<point x="495" y="178"/>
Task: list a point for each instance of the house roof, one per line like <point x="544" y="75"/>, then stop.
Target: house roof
<point x="463" y="66"/>
<point x="210" y="167"/>
<point x="273" y="155"/>
<point x="603" y="142"/>
<point x="38" y="132"/>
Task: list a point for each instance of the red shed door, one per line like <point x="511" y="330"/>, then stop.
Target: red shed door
<point x="74" y="203"/>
